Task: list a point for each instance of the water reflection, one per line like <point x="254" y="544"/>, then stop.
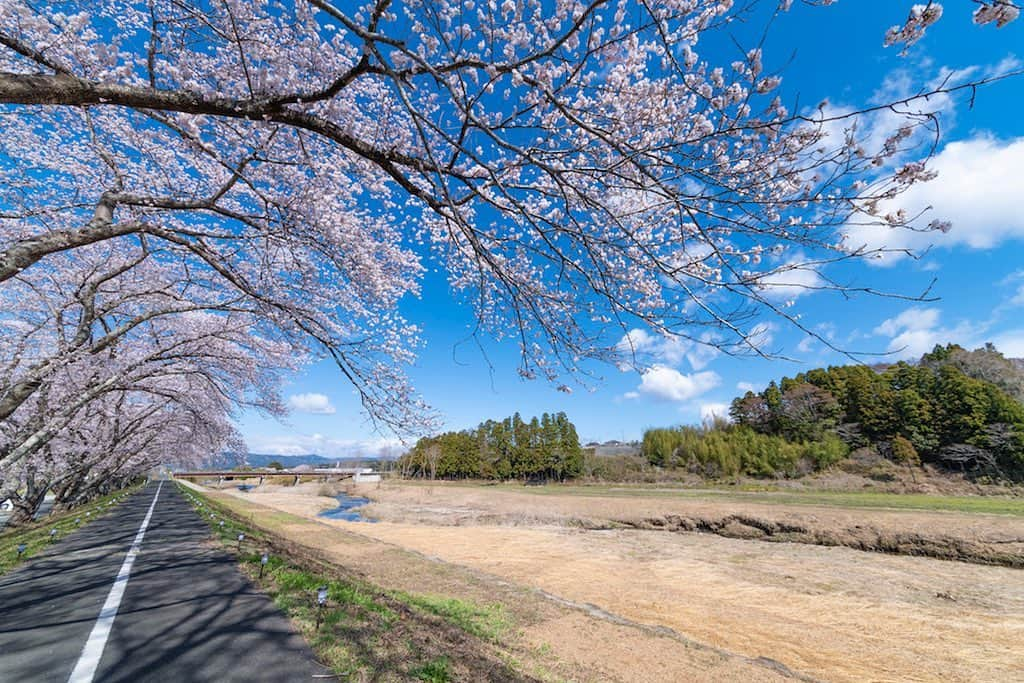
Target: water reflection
<point x="346" y="509"/>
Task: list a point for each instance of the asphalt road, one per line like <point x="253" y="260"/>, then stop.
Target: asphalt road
<point x="187" y="613"/>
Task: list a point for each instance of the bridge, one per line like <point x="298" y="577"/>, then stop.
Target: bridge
<point x="282" y="476"/>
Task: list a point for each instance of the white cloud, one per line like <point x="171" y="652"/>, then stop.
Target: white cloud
<point x="668" y="384"/>
<point x="915" y="343"/>
<point x="916" y="331"/>
<point x="872" y="129"/>
<point x="1016" y="280"/>
<point x="1010" y="343"/>
<point x="641" y="343"/>
<point x="703" y="352"/>
<point x="806" y="345"/>
<point x="910" y="319"/>
<point x="826" y="331"/>
<point x="642" y="346"/>
<point x="762" y="335"/>
<point x="311" y="403"/>
<point x="745" y="386"/>
<point x="319" y="444"/>
<point x="979" y="188"/>
<point x="710" y="411"/>
<point x="790" y="281"/>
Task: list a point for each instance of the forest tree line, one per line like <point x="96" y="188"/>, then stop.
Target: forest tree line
<point x="545" y="448"/>
<point x="954" y="408"/>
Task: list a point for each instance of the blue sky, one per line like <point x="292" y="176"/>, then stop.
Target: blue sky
<point x="832" y="53"/>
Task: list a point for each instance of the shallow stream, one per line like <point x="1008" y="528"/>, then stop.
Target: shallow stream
<point x="347" y="509"/>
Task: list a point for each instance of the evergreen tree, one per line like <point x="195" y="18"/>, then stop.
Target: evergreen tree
<point x="510" y="449"/>
<point x="954" y="406"/>
<point x="571" y="452"/>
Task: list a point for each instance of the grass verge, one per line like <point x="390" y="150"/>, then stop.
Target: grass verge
<point x="36" y="537"/>
<point x="363" y="632"/>
<point x="488" y="622"/>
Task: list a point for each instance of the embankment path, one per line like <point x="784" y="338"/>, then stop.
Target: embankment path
<point x="142" y="594"/>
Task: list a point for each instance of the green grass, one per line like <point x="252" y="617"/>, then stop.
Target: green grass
<point x="998" y="505"/>
<point x="277" y="518"/>
<point x="435" y="671"/>
<point x="290" y="581"/>
<point x="489" y="622"/>
<point x="36" y="537"/>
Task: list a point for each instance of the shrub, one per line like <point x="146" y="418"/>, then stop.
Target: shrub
<point x="827" y="451"/>
<point x="731" y="450"/>
<point x="903" y="451"/>
<point x="659" y="446"/>
<point x="330" y="489"/>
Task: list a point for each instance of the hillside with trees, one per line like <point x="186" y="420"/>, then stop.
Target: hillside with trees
<point x="545" y="448"/>
<point x="954" y="409"/>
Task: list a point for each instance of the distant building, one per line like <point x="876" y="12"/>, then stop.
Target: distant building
<point x="366" y="476"/>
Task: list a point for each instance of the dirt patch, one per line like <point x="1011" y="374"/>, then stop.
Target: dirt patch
<point x="869" y="538"/>
<point x="826" y="612"/>
<point x="819" y="611"/>
<point x="979" y="538"/>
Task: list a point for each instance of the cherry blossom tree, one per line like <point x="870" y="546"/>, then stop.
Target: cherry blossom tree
<point x="186" y="355"/>
<point x="171" y="400"/>
<point x="118" y="363"/>
<point x="81" y="305"/>
<point x="578" y="168"/>
<point x="114" y="440"/>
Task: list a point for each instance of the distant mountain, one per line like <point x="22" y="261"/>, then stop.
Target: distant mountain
<point x="264" y="459"/>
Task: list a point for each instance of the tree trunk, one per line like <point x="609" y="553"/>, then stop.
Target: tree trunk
<point x="66" y="492"/>
<point x="25" y="507"/>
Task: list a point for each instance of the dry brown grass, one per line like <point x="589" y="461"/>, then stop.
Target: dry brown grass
<point x="829" y="613"/>
<point x="983" y="538"/>
<point x="549" y="640"/>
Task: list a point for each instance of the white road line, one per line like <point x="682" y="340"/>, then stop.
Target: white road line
<point x="85" y="669"/>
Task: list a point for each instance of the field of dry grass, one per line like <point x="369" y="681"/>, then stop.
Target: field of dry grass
<point x="640" y="603"/>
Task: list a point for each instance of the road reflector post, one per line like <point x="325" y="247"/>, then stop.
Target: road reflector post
<point x="241" y="537"/>
<point x="321" y="602"/>
<point x="21" y="549"/>
<point x="53" y="534"/>
<point x="263" y="563"/>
